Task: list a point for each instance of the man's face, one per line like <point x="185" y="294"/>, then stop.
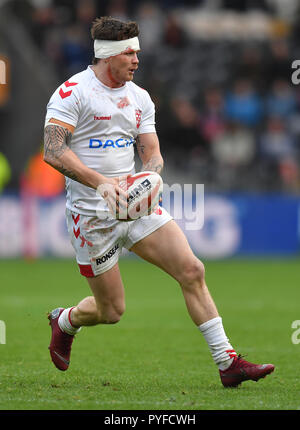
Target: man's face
<point x="121" y="67"/>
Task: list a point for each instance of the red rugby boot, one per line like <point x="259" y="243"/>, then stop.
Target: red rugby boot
<point x="60" y="346"/>
<point x="241" y="370"/>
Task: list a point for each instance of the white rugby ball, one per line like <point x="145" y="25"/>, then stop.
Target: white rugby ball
<point x="144" y="190"/>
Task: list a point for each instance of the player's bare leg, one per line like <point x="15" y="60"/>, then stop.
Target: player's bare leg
<point x="168" y="249"/>
<point x="107" y="304"/>
<point x="105" y="307"/>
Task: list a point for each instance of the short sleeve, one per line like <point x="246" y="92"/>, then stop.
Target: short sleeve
<point x="147" y="116"/>
<point x="64" y="104"/>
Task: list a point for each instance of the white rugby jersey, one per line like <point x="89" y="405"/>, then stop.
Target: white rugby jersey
<point x="107" y="122"/>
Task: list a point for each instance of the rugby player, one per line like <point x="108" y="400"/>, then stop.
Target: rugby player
<point x="93" y="121"/>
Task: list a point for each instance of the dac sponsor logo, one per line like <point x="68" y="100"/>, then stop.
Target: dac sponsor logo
<point x="109" y="143"/>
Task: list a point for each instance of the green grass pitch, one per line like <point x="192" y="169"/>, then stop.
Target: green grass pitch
<point x="154" y="358"/>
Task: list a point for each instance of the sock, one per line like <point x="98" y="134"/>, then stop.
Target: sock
<point x="218" y="343"/>
<point x="65" y="323"/>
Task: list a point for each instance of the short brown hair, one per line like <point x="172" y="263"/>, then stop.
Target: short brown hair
<point x="108" y="28"/>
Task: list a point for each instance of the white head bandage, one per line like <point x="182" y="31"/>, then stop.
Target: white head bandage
<point x="110" y="48"/>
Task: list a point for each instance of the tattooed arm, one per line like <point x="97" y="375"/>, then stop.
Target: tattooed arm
<point x="149" y="152"/>
<point x="57" y="138"/>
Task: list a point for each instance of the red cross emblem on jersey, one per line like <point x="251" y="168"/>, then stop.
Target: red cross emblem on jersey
<point x="138" y="117"/>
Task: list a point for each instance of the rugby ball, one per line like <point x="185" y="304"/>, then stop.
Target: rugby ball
<point x="144" y="190"/>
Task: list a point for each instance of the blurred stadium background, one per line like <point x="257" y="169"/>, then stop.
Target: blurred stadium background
<point x="228" y="115"/>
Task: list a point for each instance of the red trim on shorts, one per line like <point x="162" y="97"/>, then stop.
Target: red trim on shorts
<point x="86" y="270"/>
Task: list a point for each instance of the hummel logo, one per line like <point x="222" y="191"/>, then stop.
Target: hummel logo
<point x="63" y="94"/>
<point x="101" y="118"/>
<point x="62" y="358"/>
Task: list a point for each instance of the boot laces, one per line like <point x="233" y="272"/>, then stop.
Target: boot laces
<point x="240" y="359"/>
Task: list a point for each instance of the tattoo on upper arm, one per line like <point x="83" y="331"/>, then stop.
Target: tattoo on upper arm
<point x="56" y="141"/>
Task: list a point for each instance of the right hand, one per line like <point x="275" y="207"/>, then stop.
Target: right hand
<point x="113" y="192"/>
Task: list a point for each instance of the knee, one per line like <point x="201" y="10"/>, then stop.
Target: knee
<point x="193" y="274"/>
<point x="111" y="314"/>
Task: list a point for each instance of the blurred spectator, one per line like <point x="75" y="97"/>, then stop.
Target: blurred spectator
<point x="289" y="173"/>
<point x="278" y="152"/>
<point x="236" y="147"/>
<point x="174" y="34"/>
<point x="5" y="172"/>
<point x="184" y="135"/>
<point x="275" y="143"/>
<point x="278" y="62"/>
<point x="43" y="18"/>
<point x="76" y="44"/>
<point x="233" y="153"/>
<point x="212" y="121"/>
<point x="244" y="5"/>
<point x="249" y="65"/>
<point x="118" y="9"/>
<point x="173" y="4"/>
<point x="76" y="49"/>
<point x="281" y="101"/>
<point x="86" y="12"/>
<point x="243" y="104"/>
<point x="285" y="9"/>
<point x="253" y="76"/>
<point x="151" y="21"/>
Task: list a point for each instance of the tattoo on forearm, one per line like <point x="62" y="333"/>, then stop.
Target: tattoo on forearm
<point x="68" y="173"/>
<point x="155" y="164"/>
<point x="139" y="146"/>
<point x="56" y="143"/>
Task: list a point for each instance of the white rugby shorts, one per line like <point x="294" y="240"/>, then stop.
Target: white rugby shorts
<point x="98" y="244"/>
